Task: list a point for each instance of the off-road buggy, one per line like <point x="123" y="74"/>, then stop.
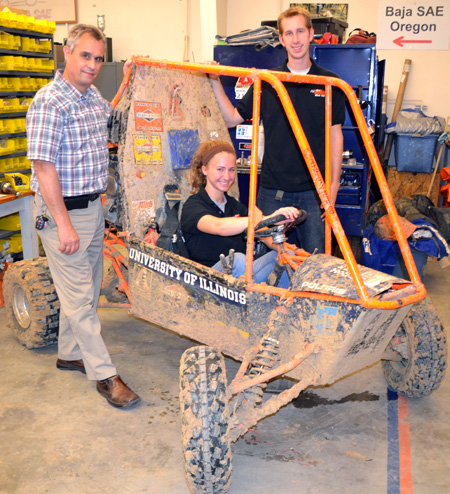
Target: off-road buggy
<point x="336" y="317"/>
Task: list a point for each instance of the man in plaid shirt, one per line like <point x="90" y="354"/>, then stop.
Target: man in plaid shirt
<point x="68" y="149"/>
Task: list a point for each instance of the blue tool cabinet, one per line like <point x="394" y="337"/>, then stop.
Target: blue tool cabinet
<point x="357" y="65"/>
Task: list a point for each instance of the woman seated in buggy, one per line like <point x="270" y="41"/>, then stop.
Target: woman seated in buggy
<point x="213" y="222"/>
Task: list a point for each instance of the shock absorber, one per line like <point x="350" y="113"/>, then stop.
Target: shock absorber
<point x="263" y="362"/>
<point x="267" y="357"/>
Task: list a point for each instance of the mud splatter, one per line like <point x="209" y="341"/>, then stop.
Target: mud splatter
<point x="311" y="400"/>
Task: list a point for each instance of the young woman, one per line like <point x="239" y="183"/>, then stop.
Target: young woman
<point x="213" y="222"/>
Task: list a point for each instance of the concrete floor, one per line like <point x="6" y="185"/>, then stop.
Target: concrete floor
<point x="59" y="436"/>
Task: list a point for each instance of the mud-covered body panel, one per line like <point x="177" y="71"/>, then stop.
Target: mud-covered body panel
<point x="217" y="310"/>
<point x="329" y="275"/>
<point x="155" y="150"/>
<point x="196" y="301"/>
<point x="350" y="337"/>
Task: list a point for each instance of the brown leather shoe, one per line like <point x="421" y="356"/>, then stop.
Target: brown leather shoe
<point x="71" y="365"/>
<point x="117" y="392"/>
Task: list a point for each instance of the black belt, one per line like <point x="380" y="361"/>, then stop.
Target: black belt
<point x="80" y="202"/>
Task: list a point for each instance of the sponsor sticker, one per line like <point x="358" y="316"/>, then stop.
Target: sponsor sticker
<point x="147" y="150"/>
<point x="148" y="116"/>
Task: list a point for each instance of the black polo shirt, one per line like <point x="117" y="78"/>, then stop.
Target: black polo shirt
<point x="283" y="166"/>
<point x="204" y="247"/>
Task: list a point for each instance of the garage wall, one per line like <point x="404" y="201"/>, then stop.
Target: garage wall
<point x="171" y="29"/>
<point x="142" y="27"/>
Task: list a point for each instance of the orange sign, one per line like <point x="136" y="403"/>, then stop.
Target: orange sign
<point x="148" y="116"/>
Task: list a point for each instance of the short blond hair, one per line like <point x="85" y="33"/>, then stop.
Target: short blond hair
<point x="292" y="12"/>
<point x="78" y="30"/>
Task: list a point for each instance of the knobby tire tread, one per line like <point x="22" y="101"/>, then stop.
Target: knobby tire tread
<point x="34" y="278"/>
<point x="204" y="420"/>
<point x="422" y="372"/>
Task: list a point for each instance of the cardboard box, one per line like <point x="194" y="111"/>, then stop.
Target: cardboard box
<point x="12" y="9"/>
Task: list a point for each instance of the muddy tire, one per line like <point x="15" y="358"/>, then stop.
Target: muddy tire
<point x="204" y="421"/>
<point x="31" y="303"/>
<point x="421" y="342"/>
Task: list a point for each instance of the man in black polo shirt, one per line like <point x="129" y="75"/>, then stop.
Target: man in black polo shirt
<point x="285" y="179"/>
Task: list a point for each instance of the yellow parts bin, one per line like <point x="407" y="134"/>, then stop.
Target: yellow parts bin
<point x="26" y="22"/>
<point x="15" y="163"/>
<point x="10" y="222"/>
<point x="14" y="105"/>
<point x="16" y="84"/>
<point x="9" y="41"/>
<point x="12" y="125"/>
<point x="13" y="145"/>
<point x="10" y="62"/>
<point x="36" y="45"/>
<point x="19" y="182"/>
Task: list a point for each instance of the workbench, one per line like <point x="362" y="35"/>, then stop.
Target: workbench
<point x="23" y="205"/>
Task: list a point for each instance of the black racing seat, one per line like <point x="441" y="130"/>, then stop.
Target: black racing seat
<point x="170" y="237"/>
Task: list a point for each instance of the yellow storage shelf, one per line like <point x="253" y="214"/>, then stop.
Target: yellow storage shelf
<point x="36" y="39"/>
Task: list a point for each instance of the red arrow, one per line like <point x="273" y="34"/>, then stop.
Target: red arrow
<point x="400" y="41"/>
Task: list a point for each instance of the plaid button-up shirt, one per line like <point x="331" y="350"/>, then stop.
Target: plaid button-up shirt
<point x="69" y="129"/>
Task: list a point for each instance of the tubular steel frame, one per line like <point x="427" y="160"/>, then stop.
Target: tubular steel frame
<point x="276" y="79"/>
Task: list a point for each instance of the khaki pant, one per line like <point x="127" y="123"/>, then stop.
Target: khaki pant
<point x="78" y="279"/>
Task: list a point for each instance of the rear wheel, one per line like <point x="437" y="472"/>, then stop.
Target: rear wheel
<point x="421" y="346"/>
<point x="31" y="303"/>
<point x="204" y="420"/>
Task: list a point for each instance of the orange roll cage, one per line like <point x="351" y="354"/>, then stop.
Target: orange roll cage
<point x="333" y="223"/>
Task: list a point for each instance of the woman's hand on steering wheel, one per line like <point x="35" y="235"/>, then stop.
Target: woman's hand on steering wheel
<point x="288" y="216"/>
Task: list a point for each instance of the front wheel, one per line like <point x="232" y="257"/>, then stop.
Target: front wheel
<point x="204" y="421"/>
<point x="421" y="346"/>
<point x="31" y="303"/>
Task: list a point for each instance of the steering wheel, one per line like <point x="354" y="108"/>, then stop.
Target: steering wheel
<point x="267" y="227"/>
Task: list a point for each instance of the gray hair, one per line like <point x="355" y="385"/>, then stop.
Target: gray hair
<point x="78" y="30"/>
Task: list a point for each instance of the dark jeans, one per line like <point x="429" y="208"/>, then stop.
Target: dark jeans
<point x="311" y="233"/>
